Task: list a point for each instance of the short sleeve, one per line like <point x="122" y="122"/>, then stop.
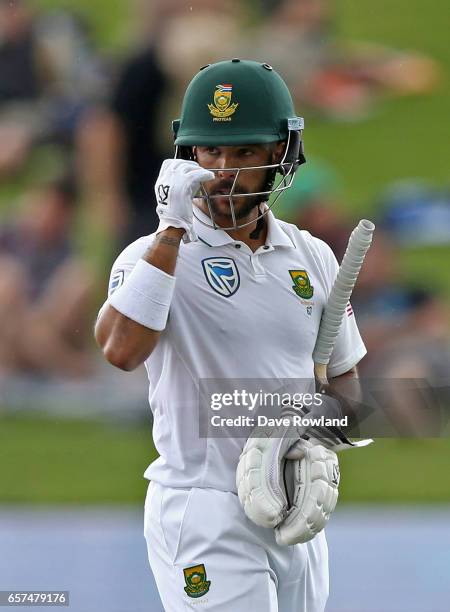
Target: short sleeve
<point x="125" y="263"/>
<point x="349" y="348"/>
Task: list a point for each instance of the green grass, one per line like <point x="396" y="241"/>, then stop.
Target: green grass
<point x="392" y="145"/>
<point x="409" y="24"/>
<point x="428" y="268"/>
<point x="404" y="137"/>
<point x="396" y="471"/>
<point x="110" y="20"/>
<point x="45" y="461"/>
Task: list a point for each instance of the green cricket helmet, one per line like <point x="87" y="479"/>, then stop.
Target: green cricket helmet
<point x="238" y="102"/>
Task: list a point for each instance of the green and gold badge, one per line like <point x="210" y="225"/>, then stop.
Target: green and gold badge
<point x="302" y="285"/>
<point x="196" y="583"/>
<point x="222" y="109"/>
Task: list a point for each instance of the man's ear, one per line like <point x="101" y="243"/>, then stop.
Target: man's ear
<point x="278" y="151"/>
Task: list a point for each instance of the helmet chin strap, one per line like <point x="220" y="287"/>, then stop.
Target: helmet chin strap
<point x="260" y="225"/>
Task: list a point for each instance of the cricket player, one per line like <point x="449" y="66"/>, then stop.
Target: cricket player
<point x="224" y="290"/>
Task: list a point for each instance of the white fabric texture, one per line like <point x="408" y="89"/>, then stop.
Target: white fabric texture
<point x="244" y="565"/>
<point x="145" y="296"/>
<point x="314" y="481"/>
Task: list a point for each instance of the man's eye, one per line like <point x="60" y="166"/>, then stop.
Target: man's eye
<point x="247" y="152"/>
<point x="211" y="150"/>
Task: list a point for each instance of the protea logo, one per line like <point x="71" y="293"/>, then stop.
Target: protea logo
<point x="222" y="109"/>
<point x="302" y="285"/>
<point x="196" y="583"/>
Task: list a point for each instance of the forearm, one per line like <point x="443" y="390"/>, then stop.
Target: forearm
<point x="129" y="327"/>
<point x="163" y="252"/>
<point x="125" y="342"/>
<point x="347" y="390"/>
<point x="347" y="384"/>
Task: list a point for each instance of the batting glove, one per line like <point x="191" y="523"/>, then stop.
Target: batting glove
<point x="288" y="477"/>
<point x="178" y="182"/>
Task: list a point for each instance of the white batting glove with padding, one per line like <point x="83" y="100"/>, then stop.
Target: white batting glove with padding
<point x="312" y="476"/>
<point x="288" y="480"/>
<point x="178" y="182"/>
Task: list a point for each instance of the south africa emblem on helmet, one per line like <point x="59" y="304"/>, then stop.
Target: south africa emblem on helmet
<point x="302" y="285"/>
<point x="222" y="109"/>
<point x="196" y="583"/>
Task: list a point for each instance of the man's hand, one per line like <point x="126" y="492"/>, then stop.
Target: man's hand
<point x="177" y="184"/>
<point x="288" y="477"/>
<point x="294" y="494"/>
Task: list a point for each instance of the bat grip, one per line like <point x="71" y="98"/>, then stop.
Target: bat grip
<point x="335" y="309"/>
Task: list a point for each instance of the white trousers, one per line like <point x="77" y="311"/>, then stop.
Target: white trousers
<point x="206" y="554"/>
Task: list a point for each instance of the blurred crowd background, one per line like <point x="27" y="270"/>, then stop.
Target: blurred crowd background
<point x="87" y="95"/>
<point x="88" y="90"/>
<point x="84" y="129"/>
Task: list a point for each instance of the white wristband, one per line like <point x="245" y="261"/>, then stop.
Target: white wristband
<point x="145" y="296"/>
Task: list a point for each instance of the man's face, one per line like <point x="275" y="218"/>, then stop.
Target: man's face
<point x="226" y="159"/>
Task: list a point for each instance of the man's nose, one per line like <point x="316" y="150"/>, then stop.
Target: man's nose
<point x="226" y="170"/>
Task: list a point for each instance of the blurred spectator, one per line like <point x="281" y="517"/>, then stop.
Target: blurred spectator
<point x="47" y="75"/>
<point x="44" y="288"/>
<point x="407" y="334"/>
<point x="23" y="71"/>
<point x="298" y="37"/>
<point x="312" y="204"/>
<point x="416" y="213"/>
<point x="79" y="75"/>
<point x="123" y="145"/>
<point x="388" y="310"/>
<point x="119" y="155"/>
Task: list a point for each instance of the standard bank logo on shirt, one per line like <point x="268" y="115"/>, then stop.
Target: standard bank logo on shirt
<point x="222" y="275"/>
<point x="116" y="281"/>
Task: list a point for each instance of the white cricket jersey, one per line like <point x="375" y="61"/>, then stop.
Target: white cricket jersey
<point x="235" y="314"/>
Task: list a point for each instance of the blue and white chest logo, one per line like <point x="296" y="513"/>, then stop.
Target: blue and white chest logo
<point x="222" y="275"/>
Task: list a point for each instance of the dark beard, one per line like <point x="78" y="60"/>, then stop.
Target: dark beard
<point x="249" y="202"/>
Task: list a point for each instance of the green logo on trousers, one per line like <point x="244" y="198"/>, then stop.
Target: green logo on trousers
<point x="196" y="583"/>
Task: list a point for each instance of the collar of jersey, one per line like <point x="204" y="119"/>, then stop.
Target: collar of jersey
<point x="276" y="237"/>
